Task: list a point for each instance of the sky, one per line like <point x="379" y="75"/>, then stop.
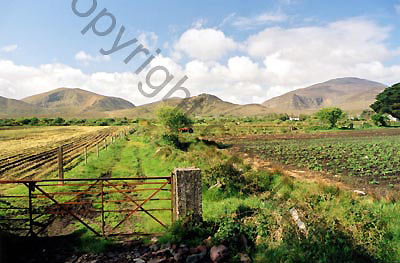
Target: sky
<point x="241" y="51"/>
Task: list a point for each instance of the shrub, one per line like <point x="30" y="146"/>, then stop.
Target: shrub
<point x="226" y="176"/>
<point x="380" y="120"/>
<point x="173" y="118"/>
<point x="330" y="116"/>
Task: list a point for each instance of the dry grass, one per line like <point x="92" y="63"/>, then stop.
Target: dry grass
<point x="17" y="140"/>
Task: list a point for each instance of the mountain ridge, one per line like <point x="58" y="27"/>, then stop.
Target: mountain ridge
<point x="350" y="94"/>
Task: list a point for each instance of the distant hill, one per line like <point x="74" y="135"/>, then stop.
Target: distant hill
<point x="201" y="105"/>
<point x="12" y="108"/>
<point x="350" y="94"/>
<point x="68" y="102"/>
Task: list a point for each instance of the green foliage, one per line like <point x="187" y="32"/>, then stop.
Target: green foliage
<point x="58" y="121"/>
<point x="173" y="118"/>
<point x="225" y="176"/>
<point x="388" y="101"/>
<point x="330" y="116"/>
<point x="61" y="122"/>
<point x="380" y="120"/>
<point x="171" y="139"/>
<point x="189" y="232"/>
<point x="284" y="117"/>
<point x="234" y="233"/>
<point x="366" y="115"/>
<point x="362" y="156"/>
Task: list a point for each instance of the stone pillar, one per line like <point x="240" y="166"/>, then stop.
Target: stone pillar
<point x="187" y="192"/>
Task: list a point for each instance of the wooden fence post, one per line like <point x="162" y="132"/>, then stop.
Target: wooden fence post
<point x="60" y="163"/>
<point x="187" y="193"/>
<point x="86" y="155"/>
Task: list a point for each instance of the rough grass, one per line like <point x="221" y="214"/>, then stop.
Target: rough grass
<point x="17" y="140"/>
<point x="341" y="227"/>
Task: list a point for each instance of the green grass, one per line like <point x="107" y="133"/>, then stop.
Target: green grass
<point x="341" y="227"/>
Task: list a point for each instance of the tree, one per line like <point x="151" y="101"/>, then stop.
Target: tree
<point x="366" y="114"/>
<point x="58" y="121"/>
<point x="380" y="119"/>
<point x="388" y="101"/>
<point x="24" y="121"/>
<point x="173" y="118"/>
<point x="34" y="121"/>
<point x="330" y="116"/>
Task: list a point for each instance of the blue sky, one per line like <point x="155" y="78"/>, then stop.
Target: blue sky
<point x="242" y="51"/>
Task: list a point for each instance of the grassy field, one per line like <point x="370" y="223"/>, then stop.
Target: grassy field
<point x="15" y="140"/>
<point x="242" y="202"/>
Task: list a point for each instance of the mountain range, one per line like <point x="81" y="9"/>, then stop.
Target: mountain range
<point x="350" y="94"/>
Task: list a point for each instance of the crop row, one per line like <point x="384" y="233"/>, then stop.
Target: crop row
<point x="27" y="164"/>
<point x="367" y="156"/>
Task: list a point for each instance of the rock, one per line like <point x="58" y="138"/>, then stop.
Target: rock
<point x="201" y="248"/>
<point x="162" y="252"/>
<point x="139" y="260"/>
<point x="181" y="253"/>
<point x="197" y="258"/>
<point x="300" y="224"/>
<point x="360" y="193"/>
<point x="158" y="260"/>
<point x="244" y="258"/>
<point x="155" y="247"/>
<point x="208" y="242"/>
<point x="178" y="257"/>
<point x="217" y="254"/>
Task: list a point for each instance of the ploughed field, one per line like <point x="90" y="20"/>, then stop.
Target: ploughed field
<point x="32" y="152"/>
<point x="373" y="156"/>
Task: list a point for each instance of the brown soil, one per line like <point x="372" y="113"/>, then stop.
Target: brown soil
<point x="343" y="182"/>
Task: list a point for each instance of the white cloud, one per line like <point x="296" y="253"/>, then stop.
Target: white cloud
<point x="148" y="39"/>
<point x="86" y="59"/>
<point x="305" y="55"/>
<point x="259" y="20"/>
<point x="205" y="44"/>
<point x="274" y="61"/>
<point x="8" y="49"/>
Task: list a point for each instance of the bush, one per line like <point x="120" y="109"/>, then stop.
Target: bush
<point x="380" y="120"/>
<point x="234" y="234"/>
<point x="330" y="116"/>
<point x="257" y="182"/>
<point x="226" y="176"/>
<point x="173" y="140"/>
<point x="173" y="118"/>
<point x="189" y="232"/>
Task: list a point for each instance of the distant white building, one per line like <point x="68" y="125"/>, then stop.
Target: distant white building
<point x="294" y="118"/>
<point x="393" y="118"/>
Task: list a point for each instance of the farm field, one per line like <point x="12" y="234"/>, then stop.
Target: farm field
<point x="33" y="152"/>
<point x="14" y="140"/>
<point x="368" y="158"/>
<point x="237" y="200"/>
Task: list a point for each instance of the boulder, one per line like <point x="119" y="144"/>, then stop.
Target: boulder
<point x="218" y="253"/>
<point x="244" y="258"/>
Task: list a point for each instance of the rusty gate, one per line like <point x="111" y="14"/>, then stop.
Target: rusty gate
<point x="105" y="206"/>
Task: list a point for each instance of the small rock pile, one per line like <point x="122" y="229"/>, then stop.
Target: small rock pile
<point x="156" y="253"/>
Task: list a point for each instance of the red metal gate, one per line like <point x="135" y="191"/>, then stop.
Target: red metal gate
<point x="105" y="206"/>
